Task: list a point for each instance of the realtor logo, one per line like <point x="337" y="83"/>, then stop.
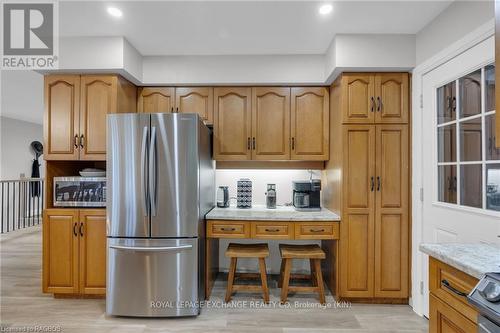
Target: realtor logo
<point x="29" y="38"/>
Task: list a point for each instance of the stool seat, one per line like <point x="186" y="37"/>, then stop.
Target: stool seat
<point x="236" y="250"/>
<point x="309" y="251"/>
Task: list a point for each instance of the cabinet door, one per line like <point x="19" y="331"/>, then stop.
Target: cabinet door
<point x="232" y="124"/>
<point x="98" y="98"/>
<point x="310" y="123"/>
<point x="198" y="100"/>
<point x="391" y="211"/>
<point x="92" y="233"/>
<point x="61" y="118"/>
<point x="357" y="227"/>
<point x="358" y="98"/>
<point x="153" y="100"/>
<point x="444" y="319"/>
<point x="60" y="251"/>
<point x="270" y="123"/>
<point x="391" y="91"/>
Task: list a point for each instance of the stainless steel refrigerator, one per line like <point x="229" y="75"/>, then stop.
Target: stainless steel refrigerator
<point x="160" y="185"/>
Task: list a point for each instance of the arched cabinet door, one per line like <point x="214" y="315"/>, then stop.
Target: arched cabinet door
<point x="309" y="124"/>
<point x="198" y="100"/>
<point x="154" y="100"/>
<point x="271" y="123"/>
<point x="232" y="124"/>
<point x="358" y="98"/>
<point x="61" y="123"/>
<point x="391" y="100"/>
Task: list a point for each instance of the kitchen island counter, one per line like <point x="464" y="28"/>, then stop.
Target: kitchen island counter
<point x="261" y="213"/>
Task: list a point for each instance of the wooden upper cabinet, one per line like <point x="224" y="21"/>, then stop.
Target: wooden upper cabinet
<point x="61" y="118"/>
<point x="309" y="123"/>
<point x="232" y="123"/>
<point x="92" y="232"/>
<point x="392" y="98"/>
<point x="357" y="227"/>
<point x="75" y="113"/>
<point x="153" y="100"/>
<point x="198" y="100"/>
<point x="391" y="211"/>
<point x="97" y="98"/>
<point x="358" y="98"/>
<point x="60" y="251"/>
<point x="270" y="123"/>
<point x="381" y="98"/>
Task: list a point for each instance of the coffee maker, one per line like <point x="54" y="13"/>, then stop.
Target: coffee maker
<point x="306" y="195"/>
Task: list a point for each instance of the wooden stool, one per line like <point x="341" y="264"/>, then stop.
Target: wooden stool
<point x="312" y="252"/>
<point x="235" y="251"/>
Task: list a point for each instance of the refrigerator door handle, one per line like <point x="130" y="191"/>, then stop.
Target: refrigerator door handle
<point x="144" y="149"/>
<point x="152" y="172"/>
<point x="151" y="248"/>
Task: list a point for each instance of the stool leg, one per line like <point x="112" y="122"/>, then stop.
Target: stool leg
<point x="313" y="274"/>
<point x="263" y="278"/>
<point x="230" y="278"/>
<point x="319" y="280"/>
<point x="282" y="268"/>
<point x="286" y="279"/>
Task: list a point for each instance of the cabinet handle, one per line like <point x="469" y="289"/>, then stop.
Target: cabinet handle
<point x="228" y="229"/>
<point x="379" y="104"/>
<point x="248" y="143"/>
<point x="272" y="230"/>
<point x="253" y="143"/>
<point x="176" y="110"/>
<point x="378" y="184"/>
<point x="317" y="230"/>
<point x="293" y="143"/>
<point x="76" y="141"/>
<point x="372" y="108"/>
<point x="81" y="229"/>
<point x="82" y="141"/>
<point x="448" y="286"/>
<point x="372" y="184"/>
<point x="74" y="229"/>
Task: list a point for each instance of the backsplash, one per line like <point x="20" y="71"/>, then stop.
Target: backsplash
<point x="260" y="178"/>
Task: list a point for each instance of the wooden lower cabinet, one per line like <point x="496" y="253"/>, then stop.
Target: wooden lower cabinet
<point x="74" y="251"/>
<point x="445" y="319"/>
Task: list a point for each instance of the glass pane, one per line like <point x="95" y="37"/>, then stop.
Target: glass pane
<point x="447" y="143"/>
<point x="446" y="103"/>
<point x="447" y="182"/>
<point x="493" y="186"/>
<point x="470" y="94"/>
<point x="471" y="178"/>
<point x="489" y="74"/>
<point x="470" y="140"/>
<point x="492" y="153"/>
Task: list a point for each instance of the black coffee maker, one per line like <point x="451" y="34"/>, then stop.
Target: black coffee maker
<point x="306" y="195"/>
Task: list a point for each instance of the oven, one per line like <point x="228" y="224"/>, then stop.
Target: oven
<point x="486" y="298"/>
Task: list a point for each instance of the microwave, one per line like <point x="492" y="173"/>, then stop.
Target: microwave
<point x="79" y="191"/>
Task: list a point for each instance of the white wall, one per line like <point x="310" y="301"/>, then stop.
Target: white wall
<point x="459" y="19"/>
<point x="16" y="155"/>
<point x="260" y="178"/>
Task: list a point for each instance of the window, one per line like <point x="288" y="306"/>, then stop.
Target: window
<point x="468" y="164"/>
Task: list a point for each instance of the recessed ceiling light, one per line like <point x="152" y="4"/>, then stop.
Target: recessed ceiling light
<point x="325" y="9"/>
<point x="113" y="11"/>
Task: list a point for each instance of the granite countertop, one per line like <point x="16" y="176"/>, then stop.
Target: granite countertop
<point x="473" y="259"/>
<point x="261" y="213"/>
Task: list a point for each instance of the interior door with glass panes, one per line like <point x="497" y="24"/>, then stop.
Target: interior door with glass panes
<point x="460" y="164"/>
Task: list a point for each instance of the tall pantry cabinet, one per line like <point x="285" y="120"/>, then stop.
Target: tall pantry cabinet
<point x="369" y="120"/>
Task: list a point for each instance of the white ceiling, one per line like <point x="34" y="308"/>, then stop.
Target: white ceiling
<point x="242" y="27"/>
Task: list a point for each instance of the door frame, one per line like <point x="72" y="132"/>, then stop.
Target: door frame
<point x="418" y="260"/>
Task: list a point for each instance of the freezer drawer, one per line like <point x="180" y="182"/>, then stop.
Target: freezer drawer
<point x="152" y="277"/>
